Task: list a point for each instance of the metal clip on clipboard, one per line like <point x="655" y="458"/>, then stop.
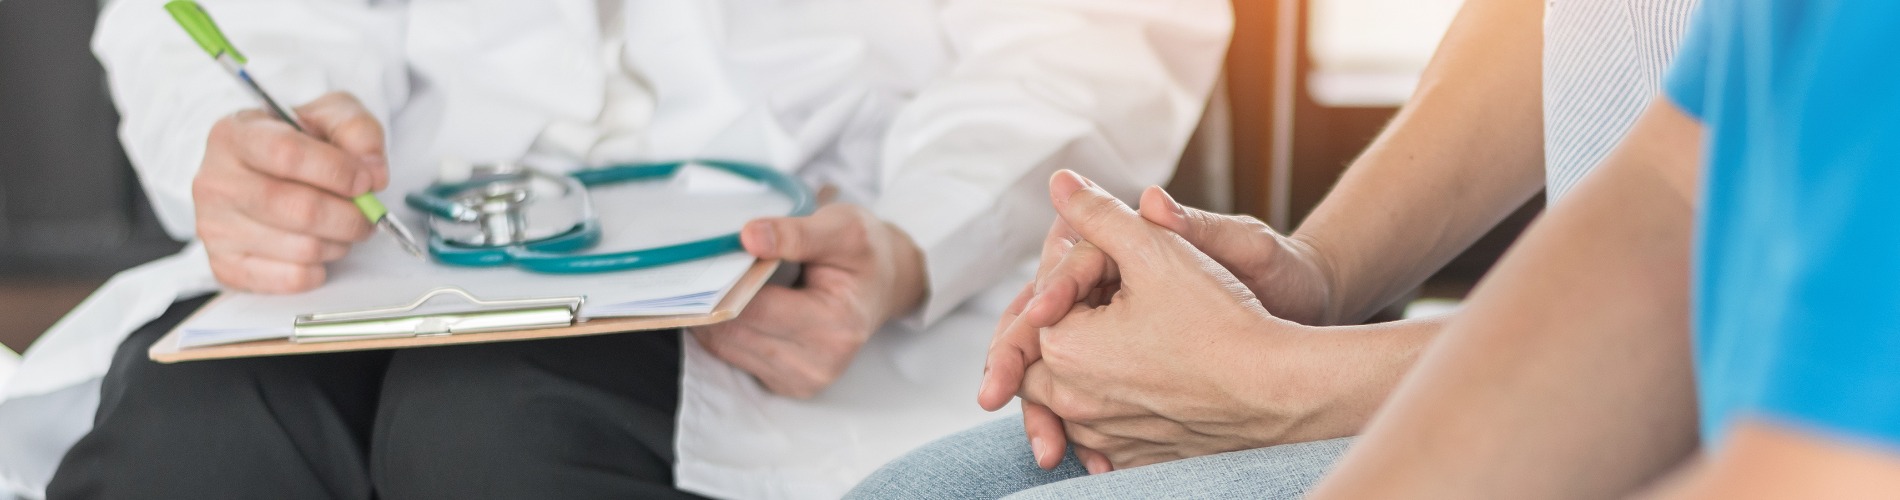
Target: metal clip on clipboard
<point x="391" y="322"/>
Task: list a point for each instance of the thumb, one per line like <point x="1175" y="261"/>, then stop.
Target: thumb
<point x="1101" y="219"/>
<point x="827" y="234"/>
<point x="1226" y="238"/>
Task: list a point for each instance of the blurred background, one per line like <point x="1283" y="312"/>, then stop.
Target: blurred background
<point x="1308" y="84"/>
<point x="71" y="211"/>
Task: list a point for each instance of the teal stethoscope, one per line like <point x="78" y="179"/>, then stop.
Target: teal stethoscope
<point x="541" y="222"/>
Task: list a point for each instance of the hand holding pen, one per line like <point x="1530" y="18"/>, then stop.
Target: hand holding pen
<point x="273" y="204"/>
<point x="281" y="192"/>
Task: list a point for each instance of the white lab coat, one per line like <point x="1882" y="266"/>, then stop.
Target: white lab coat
<point x="944" y="116"/>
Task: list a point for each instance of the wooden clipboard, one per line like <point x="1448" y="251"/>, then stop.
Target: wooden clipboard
<point x="741" y="293"/>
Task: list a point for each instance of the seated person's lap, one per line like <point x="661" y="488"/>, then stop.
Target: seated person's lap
<point x="561" y="417"/>
<point x="993" y="461"/>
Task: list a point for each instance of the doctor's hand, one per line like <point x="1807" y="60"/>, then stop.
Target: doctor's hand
<point x="273" y="205"/>
<point x="1180" y="360"/>
<point x="859" y="272"/>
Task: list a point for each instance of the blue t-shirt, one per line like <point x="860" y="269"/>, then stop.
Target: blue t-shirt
<point x="1797" y="281"/>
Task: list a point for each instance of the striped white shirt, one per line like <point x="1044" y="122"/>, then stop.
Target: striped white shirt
<point x="1603" y="62"/>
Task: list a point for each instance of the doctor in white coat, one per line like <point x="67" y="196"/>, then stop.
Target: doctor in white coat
<point x="937" y="120"/>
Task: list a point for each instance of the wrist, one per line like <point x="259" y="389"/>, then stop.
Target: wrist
<point x="1299" y="397"/>
<point x="1314" y="251"/>
<point x="910" y="281"/>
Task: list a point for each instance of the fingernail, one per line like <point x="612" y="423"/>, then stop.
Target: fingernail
<point x="1031" y="305"/>
<point x="1035" y="448"/>
<point x="1173" y="206"/>
<point x="768" y="237"/>
<point x="1066" y="183"/>
<point x="372" y="165"/>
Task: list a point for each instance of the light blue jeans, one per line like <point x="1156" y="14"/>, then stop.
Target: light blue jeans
<point x="993" y="461"/>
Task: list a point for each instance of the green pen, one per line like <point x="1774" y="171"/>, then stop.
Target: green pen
<point x="198" y="24"/>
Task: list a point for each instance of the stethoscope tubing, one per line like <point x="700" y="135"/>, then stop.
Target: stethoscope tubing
<point x="558" y="254"/>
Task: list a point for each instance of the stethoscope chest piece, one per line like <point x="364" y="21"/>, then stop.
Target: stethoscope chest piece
<point x="505" y="209"/>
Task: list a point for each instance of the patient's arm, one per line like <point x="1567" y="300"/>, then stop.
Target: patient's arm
<point x="1465" y="152"/>
<point x="1568" y="374"/>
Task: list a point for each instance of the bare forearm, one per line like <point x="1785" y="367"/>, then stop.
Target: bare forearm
<point x="1568" y="373"/>
<point x="1338" y="376"/>
<point x="1464" y="153"/>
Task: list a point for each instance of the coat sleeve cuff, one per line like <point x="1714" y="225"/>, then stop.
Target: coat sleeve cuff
<point x="963" y="235"/>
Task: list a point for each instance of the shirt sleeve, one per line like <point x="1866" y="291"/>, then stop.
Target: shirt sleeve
<point x="1109" y="88"/>
<point x="1687" y="78"/>
<point x="169" y="93"/>
<point x="1834" y="363"/>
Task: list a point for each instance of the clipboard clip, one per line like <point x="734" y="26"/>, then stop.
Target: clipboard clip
<point x="404" y="321"/>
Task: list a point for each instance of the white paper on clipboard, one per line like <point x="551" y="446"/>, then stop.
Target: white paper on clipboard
<point x="636" y="215"/>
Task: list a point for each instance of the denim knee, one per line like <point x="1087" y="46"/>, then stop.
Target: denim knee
<point x="988" y="461"/>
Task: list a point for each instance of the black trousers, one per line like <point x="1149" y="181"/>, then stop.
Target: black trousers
<point x="583" y="417"/>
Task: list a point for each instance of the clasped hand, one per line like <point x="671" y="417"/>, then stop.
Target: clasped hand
<point x="1136" y="347"/>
